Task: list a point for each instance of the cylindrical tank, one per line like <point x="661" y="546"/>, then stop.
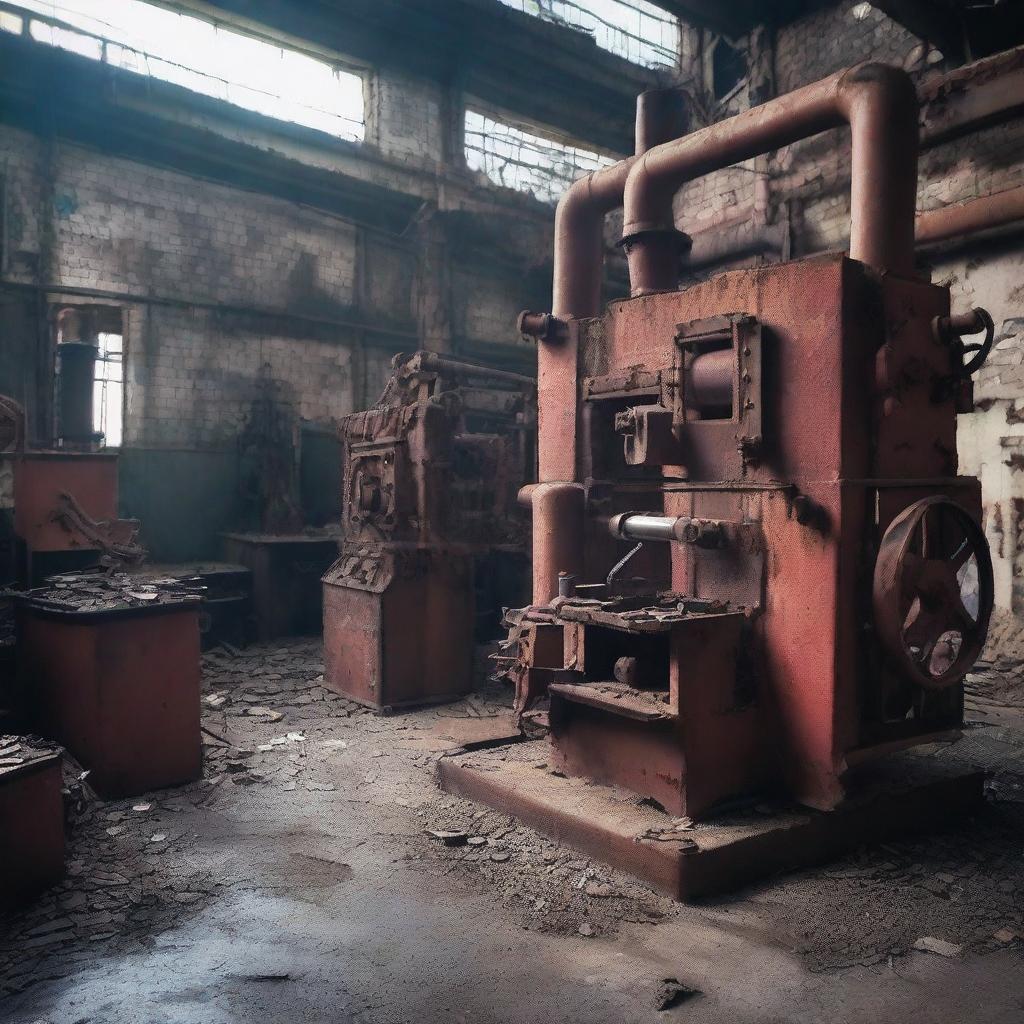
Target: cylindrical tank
<point x="76" y="371"/>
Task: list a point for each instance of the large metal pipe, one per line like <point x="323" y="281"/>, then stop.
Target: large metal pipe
<point x="961" y="219"/>
<point x="661" y="115"/>
<point x="558" y="511"/>
<point x="579" y="217"/>
<point x="877" y="101"/>
<point x="576" y="285"/>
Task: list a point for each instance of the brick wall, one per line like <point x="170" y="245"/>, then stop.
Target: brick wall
<point x="206" y="273"/>
<point x="227" y="291"/>
<point x="834" y="38"/>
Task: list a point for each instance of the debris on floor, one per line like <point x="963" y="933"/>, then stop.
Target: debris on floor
<point x="138" y="867"/>
<point x="671" y="993"/>
<point x="930" y="944"/>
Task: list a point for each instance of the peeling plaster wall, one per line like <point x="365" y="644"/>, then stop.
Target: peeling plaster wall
<point x="991" y="440"/>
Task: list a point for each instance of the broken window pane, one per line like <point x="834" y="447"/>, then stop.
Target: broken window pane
<point x="206" y="58"/>
<point x="108" y="389"/>
<point x="640" y="31"/>
<point x="519" y="159"/>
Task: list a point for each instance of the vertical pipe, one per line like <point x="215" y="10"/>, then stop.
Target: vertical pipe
<point x="576" y="294"/>
<point x="558" y="515"/>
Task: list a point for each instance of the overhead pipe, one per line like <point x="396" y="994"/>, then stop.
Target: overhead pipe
<point x="434" y="362"/>
<point x="967" y="218"/>
<point x="879" y="104"/>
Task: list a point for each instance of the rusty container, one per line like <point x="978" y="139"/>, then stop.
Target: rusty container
<point x="46" y="544"/>
<point x="76" y="371"/>
<point x="31" y="829"/>
<point x="120" y="689"/>
<point x="41" y="477"/>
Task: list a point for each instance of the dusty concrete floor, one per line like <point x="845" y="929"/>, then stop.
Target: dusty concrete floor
<point x="295" y="882"/>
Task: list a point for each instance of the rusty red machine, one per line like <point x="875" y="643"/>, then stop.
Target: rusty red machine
<point x="754" y="564"/>
<point x="433" y="539"/>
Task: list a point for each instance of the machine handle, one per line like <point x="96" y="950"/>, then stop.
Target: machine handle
<point x="950" y="330"/>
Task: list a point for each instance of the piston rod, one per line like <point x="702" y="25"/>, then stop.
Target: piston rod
<point x="705" y="533"/>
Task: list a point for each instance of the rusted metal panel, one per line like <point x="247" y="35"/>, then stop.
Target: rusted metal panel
<point x="32" y="827"/>
<point x="41" y="478"/>
<point x="353" y="659"/>
<point x="398" y="627"/>
<point x="120" y="690"/>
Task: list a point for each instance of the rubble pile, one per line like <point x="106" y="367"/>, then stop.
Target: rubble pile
<point x="998" y="675"/>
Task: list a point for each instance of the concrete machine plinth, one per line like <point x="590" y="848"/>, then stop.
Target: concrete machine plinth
<point x="903" y="795"/>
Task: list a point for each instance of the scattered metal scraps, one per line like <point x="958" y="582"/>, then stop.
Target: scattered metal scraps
<point x="449" y="838"/>
<point x="17" y="751"/>
<point x="99" y="591"/>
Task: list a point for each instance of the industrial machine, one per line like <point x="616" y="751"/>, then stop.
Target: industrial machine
<point x="65" y="497"/>
<point x="431" y="528"/>
<point x="754" y="564"/>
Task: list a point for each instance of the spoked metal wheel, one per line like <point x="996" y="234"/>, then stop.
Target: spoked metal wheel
<point x="933" y="592"/>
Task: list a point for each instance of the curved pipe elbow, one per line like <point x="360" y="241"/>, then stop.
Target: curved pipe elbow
<point x="579" y="240"/>
<point x="877" y="101"/>
<point x="889" y="88"/>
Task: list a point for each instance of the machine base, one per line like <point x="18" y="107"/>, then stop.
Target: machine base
<point x="902" y="795"/>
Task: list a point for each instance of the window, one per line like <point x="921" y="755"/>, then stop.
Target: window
<point x="108" y="389"/>
<point x="640" y="31"/>
<point x="518" y="159"/>
<point x="199" y="55"/>
<point x="728" y="67"/>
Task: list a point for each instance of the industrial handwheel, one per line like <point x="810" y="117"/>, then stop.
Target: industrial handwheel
<point x="932" y="592"/>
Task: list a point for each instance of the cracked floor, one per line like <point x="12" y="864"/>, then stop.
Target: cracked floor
<point x="298" y="881"/>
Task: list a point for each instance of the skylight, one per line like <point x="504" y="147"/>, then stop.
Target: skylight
<point x="516" y="158"/>
<point x="640" y="31"/>
<point x="202" y="56"/>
